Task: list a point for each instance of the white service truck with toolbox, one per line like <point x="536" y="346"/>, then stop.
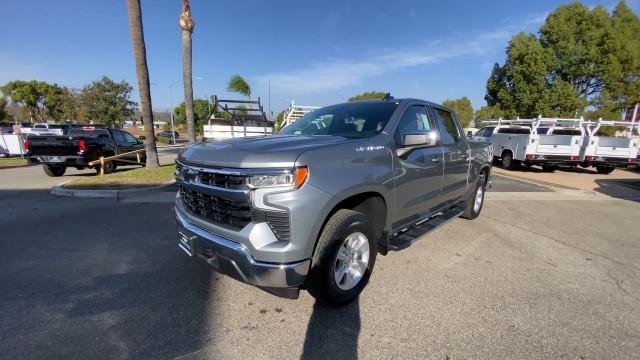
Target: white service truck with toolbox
<point x="547" y="142"/>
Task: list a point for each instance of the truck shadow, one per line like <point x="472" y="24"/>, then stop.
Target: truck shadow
<point x="332" y="333"/>
<point x="97" y="279"/>
<point x="625" y="189"/>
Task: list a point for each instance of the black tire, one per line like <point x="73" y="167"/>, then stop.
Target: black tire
<point x="321" y="282"/>
<point x="109" y="167"/>
<point x="54" y="170"/>
<point x="508" y="162"/>
<point x="605" y="169"/>
<point x="549" y="168"/>
<point x="472" y="211"/>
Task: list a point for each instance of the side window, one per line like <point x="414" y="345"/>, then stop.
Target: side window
<point x="130" y="139"/>
<point x="117" y="136"/>
<point x="415" y="119"/>
<point x="449" y="132"/>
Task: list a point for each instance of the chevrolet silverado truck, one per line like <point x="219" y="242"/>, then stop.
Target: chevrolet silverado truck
<point x="311" y="207"/>
<point x="78" y="148"/>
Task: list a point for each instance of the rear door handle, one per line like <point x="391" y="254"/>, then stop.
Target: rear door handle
<point x="435" y="160"/>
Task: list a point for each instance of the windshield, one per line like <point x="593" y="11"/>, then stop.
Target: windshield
<point x="89" y="133"/>
<point x="350" y="120"/>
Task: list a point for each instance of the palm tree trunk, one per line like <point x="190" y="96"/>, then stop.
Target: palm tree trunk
<point x="188" y="85"/>
<point x="142" y="72"/>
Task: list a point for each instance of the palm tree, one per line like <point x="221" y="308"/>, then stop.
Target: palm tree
<point x="186" y="25"/>
<point x="238" y="85"/>
<point x="142" y="72"/>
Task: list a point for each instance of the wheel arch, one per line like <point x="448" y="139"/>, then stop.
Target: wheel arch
<point x="370" y="203"/>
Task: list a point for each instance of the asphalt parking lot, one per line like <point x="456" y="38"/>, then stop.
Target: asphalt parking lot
<point x="542" y="273"/>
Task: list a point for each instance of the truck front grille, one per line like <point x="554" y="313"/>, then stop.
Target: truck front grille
<point x="222" y="180"/>
<point x="220" y="211"/>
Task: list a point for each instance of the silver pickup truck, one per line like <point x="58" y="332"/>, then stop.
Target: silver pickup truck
<point x="311" y="207"/>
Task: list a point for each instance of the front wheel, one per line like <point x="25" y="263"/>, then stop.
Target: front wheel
<point x="54" y="170"/>
<point x="344" y="259"/>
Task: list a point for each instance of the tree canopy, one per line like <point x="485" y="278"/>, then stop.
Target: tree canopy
<point x="107" y="101"/>
<point x="40" y="100"/>
<point x="238" y="85"/>
<point x="3" y="109"/>
<point x="463" y="109"/>
<point x="583" y="60"/>
<point x="200" y="113"/>
<point x="103" y="100"/>
<point x="368" y="95"/>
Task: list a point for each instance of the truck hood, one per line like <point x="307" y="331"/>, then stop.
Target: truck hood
<point x="256" y="152"/>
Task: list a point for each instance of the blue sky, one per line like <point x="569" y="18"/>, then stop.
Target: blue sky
<point x="314" y="52"/>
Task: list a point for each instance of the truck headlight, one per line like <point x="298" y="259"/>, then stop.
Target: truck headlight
<point x="295" y="179"/>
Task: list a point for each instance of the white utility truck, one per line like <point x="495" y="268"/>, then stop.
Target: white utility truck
<point x="606" y="152"/>
<point x="547" y="142"/>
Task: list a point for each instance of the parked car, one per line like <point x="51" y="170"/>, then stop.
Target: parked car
<point x="167" y="134"/>
<point x="311" y="207"/>
<point x="80" y="147"/>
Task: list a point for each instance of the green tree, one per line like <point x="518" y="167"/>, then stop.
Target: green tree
<point x="489" y="112"/>
<point x="237" y="84"/>
<point x="200" y="113"/>
<point x="186" y="26"/>
<point x="142" y="73"/>
<point x="463" y="109"/>
<point x="280" y="119"/>
<point x="577" y="36"/>
<point x="622" y="72"/>
<point x="108" y="102"/>
<point x="368" y="95"/>
<point x="584" y="59"/>
<point x="560" y="100"/>
<point x="39" y="99"/>
<point x="70" y="104"/>
<point x="4" y="115"/>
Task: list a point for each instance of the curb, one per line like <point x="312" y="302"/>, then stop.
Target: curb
<point x="16" y="167"/>
<point x="58" y="190"/>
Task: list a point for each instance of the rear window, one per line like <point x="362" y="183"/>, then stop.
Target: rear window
<point x="98" y="133"/>
<point x="572" y="132"/>
<point x="515" y="131"/>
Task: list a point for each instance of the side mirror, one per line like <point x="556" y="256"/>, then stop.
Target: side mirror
<point x="469" y="133"/>
<point x="428" y="138"/>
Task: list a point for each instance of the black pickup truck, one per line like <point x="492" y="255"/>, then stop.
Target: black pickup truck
<point x="79" y="147"/>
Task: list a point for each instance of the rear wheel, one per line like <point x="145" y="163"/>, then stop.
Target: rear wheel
<point x="54" y="170"/>
<point x="549" y="168"/>
<point x="605" y="169"/>
<point x="344" y="259"/>
<point x="109" y="167"/>
<point x="507" y="160"/>
<point x="476" y="199"/>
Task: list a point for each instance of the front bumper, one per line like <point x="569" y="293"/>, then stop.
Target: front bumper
<point x="233" y="259"/>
